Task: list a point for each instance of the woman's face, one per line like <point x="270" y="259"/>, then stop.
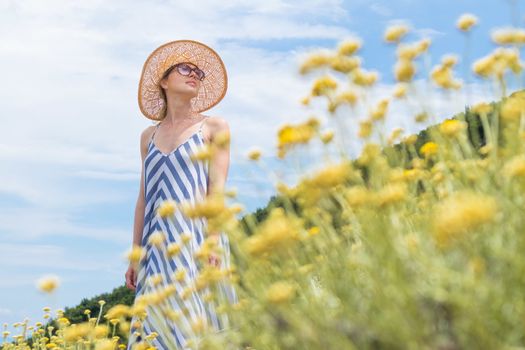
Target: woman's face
<point x="176" y="83"/>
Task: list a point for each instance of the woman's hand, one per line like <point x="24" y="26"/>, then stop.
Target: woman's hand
<point x="214" y="258"/>
<point x="131" y="278"/>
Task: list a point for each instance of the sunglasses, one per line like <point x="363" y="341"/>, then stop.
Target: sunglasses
<point x="185" y="69"/>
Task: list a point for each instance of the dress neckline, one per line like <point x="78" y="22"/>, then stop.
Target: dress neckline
<point x="178" y="147"/>
<point x="199" y="131"/>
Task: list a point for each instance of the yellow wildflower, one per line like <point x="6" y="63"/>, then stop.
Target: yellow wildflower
<point x="512" y="108"/>
<point x="449" y="60"/>
<point x="484" y="66"/>
<point x="404" y="70"/>
<point x="305" y="100"/>
<point x="497" y="62"/>
<point x="180" y="274"/>
<point x="410" y="139"/>
<point x="136" y="253"/>
<point x="313" y="122"/>
<point x="412" y="174"/>
<point x="365" y="129"/>
<point x="185" y="237"/>
<point x="212" y="206"/>
<point x="364" y="78"/>
<point x="208" y="276"/>
<point x="357" y="196"/>
<point x="348" y="47"/>
<point x="315" y="61"/>
<point x="173" y="249"/>
<point x="155" y="279"/>
<point x="391" y="193"/>
<point x="280" y="292"/>
<point x="327" y="136"/>
<point x="222" y="139"/>
<point x="423" y="45"/>
<point x="314" y="230"/>
<point x="408" y="52"/>
<point x="63" y="321"/>
<point x="396" y="133"/>
<point x="203" y="153"/>
<point x="370" y="152"/>
<point x="482" y="108"/>
<point x="166" y="208"/>
<point x="429" y="149"/>
<point x="442" y="74"/>
<point x="48" y="283"/>
<point x="198" y="325"/>
<point x="76" y="331"/>
<point x="347" y="96"/>
<point x="254" y="154"/>
<point x="100" y="331"/>
<point x="323" y="86"/>
<point x="156" y="238"/>
<point x="329" y="176"/>
<point x="395" y="33"/>
<point x="460" y="213"/>
<point x="452" y="127"/>
<point x="466" y="21"/>
<point x="515" y="167"/>
<point x="289" y="135"/>
<point x="379" y="112"/>
<point x="400" y="90"/>
<point x="508" y="36"/>
<point x="278" y="230"/>
<point x="118" y="311"/>
<point x="345" y="64"/>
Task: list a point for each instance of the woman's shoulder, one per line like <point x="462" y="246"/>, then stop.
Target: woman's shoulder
<point x="216" y="122"/>
<point x="215" y="125"/>
<point x="145" y="136"/>
<point x="148" y="131"/>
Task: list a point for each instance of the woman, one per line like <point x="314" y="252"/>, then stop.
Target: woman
<point x="179" y="80"/>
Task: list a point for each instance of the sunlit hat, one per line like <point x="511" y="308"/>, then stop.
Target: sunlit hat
<point x="212" y="89"/>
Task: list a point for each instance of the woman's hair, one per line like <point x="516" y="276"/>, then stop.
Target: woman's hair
<point x="164" y="110"/>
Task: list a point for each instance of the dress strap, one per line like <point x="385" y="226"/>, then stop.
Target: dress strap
<point x="154" y="131"/>
<point x="202" y="123"/>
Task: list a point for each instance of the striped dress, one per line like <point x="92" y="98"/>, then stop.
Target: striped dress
<point x="175" y="176"/>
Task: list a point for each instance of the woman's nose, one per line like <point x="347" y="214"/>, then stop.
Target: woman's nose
<point x="194" y="75"/>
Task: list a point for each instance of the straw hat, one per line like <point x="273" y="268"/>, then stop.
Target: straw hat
<point x="212" y="89"/>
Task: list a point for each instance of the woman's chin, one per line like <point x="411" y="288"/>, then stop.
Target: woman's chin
<point x="190" y="92"/>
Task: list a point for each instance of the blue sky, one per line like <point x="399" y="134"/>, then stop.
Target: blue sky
<point x="70" y="120"/>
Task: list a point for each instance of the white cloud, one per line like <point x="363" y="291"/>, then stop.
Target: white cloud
<point x="5" y="311"/>
<point x="428" y="32"/>
<point x="27" y="224"/>
<point x="380" y="9"/>
<point x="46" y="256"/>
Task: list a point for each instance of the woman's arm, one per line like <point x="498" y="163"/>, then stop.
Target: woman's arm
<point x="220" y="160"/>
<point x="139" y="207"/>
<point x="219" y="132"/>
<point x="131" y="274"/>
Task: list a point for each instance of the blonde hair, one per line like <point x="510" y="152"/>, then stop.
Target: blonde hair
<point x="164" y="110"/>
